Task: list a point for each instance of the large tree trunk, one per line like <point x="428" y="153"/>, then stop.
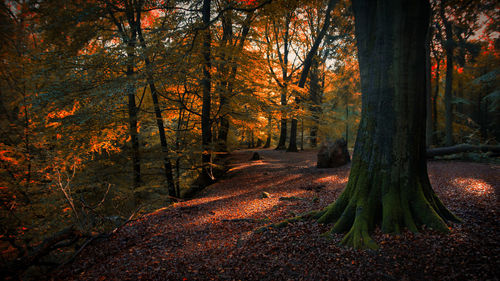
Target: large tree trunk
<point x="388" y="183"/>
<point x="206" y="128"/>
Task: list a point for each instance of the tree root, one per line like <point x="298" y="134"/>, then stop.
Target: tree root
<point x="413" y="206"/>
<point x="305" y="216"/>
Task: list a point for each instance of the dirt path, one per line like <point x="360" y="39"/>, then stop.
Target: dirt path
<point x="211" y="238"/>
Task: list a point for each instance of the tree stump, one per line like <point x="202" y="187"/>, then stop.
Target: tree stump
<point x="333" y="155"/>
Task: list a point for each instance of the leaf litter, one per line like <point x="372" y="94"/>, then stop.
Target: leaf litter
<point x="211" y="237"/>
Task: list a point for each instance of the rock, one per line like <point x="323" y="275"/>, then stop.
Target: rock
<point x="265" y="195"/>
<point x="255" y="156"/>
<point x="331" y="155"/>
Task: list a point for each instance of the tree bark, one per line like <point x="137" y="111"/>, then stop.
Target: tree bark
<point x="388" y="182"/>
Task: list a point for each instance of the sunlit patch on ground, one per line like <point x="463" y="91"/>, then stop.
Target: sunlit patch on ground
<point x="474" y="186"/>
<point x="338" y="180"/>
<point x="246" y="166"/>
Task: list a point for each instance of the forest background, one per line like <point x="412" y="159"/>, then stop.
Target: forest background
<point x="110" y="109"/>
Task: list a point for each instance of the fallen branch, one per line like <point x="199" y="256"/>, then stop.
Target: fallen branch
<point x="461" y="148"/>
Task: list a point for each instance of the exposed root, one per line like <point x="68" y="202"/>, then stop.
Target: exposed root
<point x="368" y="202"/>
<point x="359" y="238"/>
<point x="305" y="216"/>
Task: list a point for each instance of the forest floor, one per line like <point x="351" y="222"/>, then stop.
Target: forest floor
<point x="211" y="237"/>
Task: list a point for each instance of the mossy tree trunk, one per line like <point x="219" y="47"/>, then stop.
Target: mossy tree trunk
<point x="388" y="183"/>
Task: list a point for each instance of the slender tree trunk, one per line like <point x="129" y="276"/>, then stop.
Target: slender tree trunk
<point x="228" y="90"/>
<point x="283" y="127"/>
<point x="223" y="70"/>
<point x="130" y="40"/>
<point x="429" y="126"/>
<point x="132" y="116"/>
<point x="206" y="129"/>
<point x="449" y="46"/>
<point x="252" y="143"/>
<point x="448" y="98"/>
<point x="283" y="131"/>
<point x="347" y="119"/>
<point x="27" y="147"/>
<point x="301" y="134"/>
<point x="305" y="71"/>
<point x="315" y="90"/>
<point x="269" y="129"/>
<point x="388" y="183"/>
<point x="159" y="119"/>
<point x="292" y="146"/>
<point x="434" y="103"/>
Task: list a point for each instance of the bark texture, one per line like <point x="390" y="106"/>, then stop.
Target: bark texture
<point x="388" y="183"/>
